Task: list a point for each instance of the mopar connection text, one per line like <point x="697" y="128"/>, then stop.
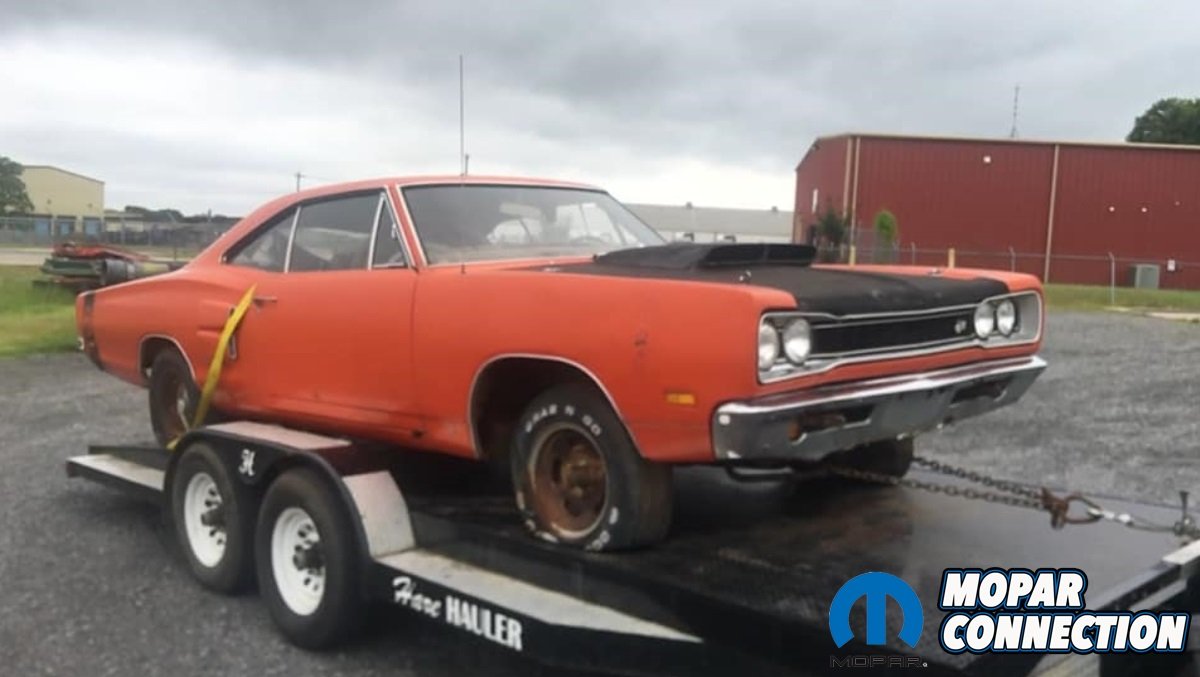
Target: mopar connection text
<point x="1018" y="610"/>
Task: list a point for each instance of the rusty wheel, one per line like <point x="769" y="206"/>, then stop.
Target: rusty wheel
<point x="578" y="478"/>
<point x="173" y="397"/>
<point x="570" y="480"/>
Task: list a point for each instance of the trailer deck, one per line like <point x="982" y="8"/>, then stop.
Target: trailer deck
<point x="745" y="580"/>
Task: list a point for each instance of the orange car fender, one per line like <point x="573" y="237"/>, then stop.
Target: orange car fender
<point x="639" y="339"/>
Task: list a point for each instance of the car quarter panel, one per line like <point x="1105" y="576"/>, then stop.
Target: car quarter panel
<point x="188" y="307"/>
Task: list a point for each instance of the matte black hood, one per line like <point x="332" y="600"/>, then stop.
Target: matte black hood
<point x="786" y="267"/>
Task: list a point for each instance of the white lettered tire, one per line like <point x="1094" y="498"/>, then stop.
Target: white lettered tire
<point x="307" y="561"/>
<point x="579" y="480"/>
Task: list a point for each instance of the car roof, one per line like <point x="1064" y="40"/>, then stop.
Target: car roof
<point x="272" y="207"/>
<point x="444" y="179"/>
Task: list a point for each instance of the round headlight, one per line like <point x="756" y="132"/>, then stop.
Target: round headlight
<point x="1006" y="317"/>
<point x="797" y="341"/>
<point x="985" y="319"/>
<point x="768" y="345"/>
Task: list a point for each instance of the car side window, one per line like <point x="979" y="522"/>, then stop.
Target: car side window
<point x="267" y="248"/>
<point x="388" y="252"/>
<point x="334" y="234"/>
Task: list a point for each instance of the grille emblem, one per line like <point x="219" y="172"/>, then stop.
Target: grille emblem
<point x="960" y="326"/>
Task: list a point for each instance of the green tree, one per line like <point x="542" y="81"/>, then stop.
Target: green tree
<point x="886" y="227"/>
<point x="887" y="230"/>
<point x="13" y="198"/>
<point x="832" y="226"/>
<point x="1171" y="120"/>
<point x="831" y="230"/>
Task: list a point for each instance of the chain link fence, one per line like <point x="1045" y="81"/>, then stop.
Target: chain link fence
<point x="174" y="239"/>
<point x="183" y="240"/>
<point x="1112" y="269"/>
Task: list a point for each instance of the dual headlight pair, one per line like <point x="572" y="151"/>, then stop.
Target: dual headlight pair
<point x="995" y="317"/>
<point x="794" y="340"/>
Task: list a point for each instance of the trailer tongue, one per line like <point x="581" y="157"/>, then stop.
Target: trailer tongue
<point x="745" y="581"/>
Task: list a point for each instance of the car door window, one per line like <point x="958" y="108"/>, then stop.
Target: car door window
<point x="267" y="248"/>
<point x="334" y="234"/>
<point x="388" y="252"/>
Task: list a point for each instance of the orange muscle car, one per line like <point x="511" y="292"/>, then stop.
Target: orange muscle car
<point x="543" y="323"/>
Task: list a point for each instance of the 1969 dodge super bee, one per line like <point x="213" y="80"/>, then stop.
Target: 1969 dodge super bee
<point x="541" y="322"/>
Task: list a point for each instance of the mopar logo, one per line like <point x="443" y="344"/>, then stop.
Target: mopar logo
<point x="876" y="587"/>
<point x="960" y="326"/>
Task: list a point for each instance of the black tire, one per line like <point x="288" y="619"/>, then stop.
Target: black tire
<point x="201" y="473"/>
<point x="337" y="611"/>
<point x="170" y="380"/>
<point x="634" y="507"/>
<point x="889" y="457"/>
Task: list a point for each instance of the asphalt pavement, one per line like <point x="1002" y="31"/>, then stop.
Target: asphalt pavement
<point x="93" y="583"/>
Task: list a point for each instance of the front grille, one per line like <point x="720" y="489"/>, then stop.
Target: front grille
<point x="839" y="338"/>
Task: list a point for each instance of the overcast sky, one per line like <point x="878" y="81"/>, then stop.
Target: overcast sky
<point x="214" y="104"/>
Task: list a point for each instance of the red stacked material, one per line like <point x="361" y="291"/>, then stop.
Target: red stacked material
<point x="70" y="250"/>
<point x="90" y="266"/>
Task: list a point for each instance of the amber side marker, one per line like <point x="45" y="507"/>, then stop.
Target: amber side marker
<point x="686" y="399"/>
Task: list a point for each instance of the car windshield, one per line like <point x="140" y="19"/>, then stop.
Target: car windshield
<point x="461" y="223"/>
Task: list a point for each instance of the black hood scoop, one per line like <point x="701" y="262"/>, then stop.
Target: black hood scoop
<point x="690" y="256"/>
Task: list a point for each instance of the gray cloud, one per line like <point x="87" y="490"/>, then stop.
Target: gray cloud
<point x="747" y="84"/>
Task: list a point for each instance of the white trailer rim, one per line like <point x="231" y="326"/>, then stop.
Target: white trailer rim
<point x="206" y="541"/>
<point x="300" y="584"/>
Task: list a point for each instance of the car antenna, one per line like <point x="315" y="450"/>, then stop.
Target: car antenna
<point x="463" y="158"/>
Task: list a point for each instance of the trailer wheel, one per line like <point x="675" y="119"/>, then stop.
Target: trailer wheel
<point x="307" y="561"/>
<point x="578" y="478"/>
<point x="214" y="521"/>
<point x="889" y="457"/>
<point x="173" y="397"/>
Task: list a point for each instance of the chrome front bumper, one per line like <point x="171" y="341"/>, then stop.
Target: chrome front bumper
<point x="807" y="425"/>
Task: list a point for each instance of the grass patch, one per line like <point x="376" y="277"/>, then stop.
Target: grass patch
<point x="1083" y="297"/>
<point x="33" y="319"/>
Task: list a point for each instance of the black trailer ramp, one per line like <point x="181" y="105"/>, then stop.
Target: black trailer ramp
<point x="745" y="581"/>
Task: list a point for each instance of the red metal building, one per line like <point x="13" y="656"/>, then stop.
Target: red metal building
<point x="1054" y="208"/>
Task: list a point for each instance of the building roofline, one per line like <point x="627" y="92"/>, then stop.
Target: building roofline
<point x="709" y="208"/>
<point x="64" y="171"/>
<point x="1123" y="145"/>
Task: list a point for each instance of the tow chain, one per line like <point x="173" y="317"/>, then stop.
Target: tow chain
<point x="1006" y="492"/>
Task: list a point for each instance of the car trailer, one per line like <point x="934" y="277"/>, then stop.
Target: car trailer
<point x="744" y="582"/>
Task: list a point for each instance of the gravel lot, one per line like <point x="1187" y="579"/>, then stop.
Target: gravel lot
<point x="93" y="583"/>
<point x="1116" y="412"/>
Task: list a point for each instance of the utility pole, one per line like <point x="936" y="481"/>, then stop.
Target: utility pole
<point x="298" y="177"/>
<point x="1016" y="104"/>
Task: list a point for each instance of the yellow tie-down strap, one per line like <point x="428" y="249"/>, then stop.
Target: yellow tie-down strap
<point x="218" y="359"/>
